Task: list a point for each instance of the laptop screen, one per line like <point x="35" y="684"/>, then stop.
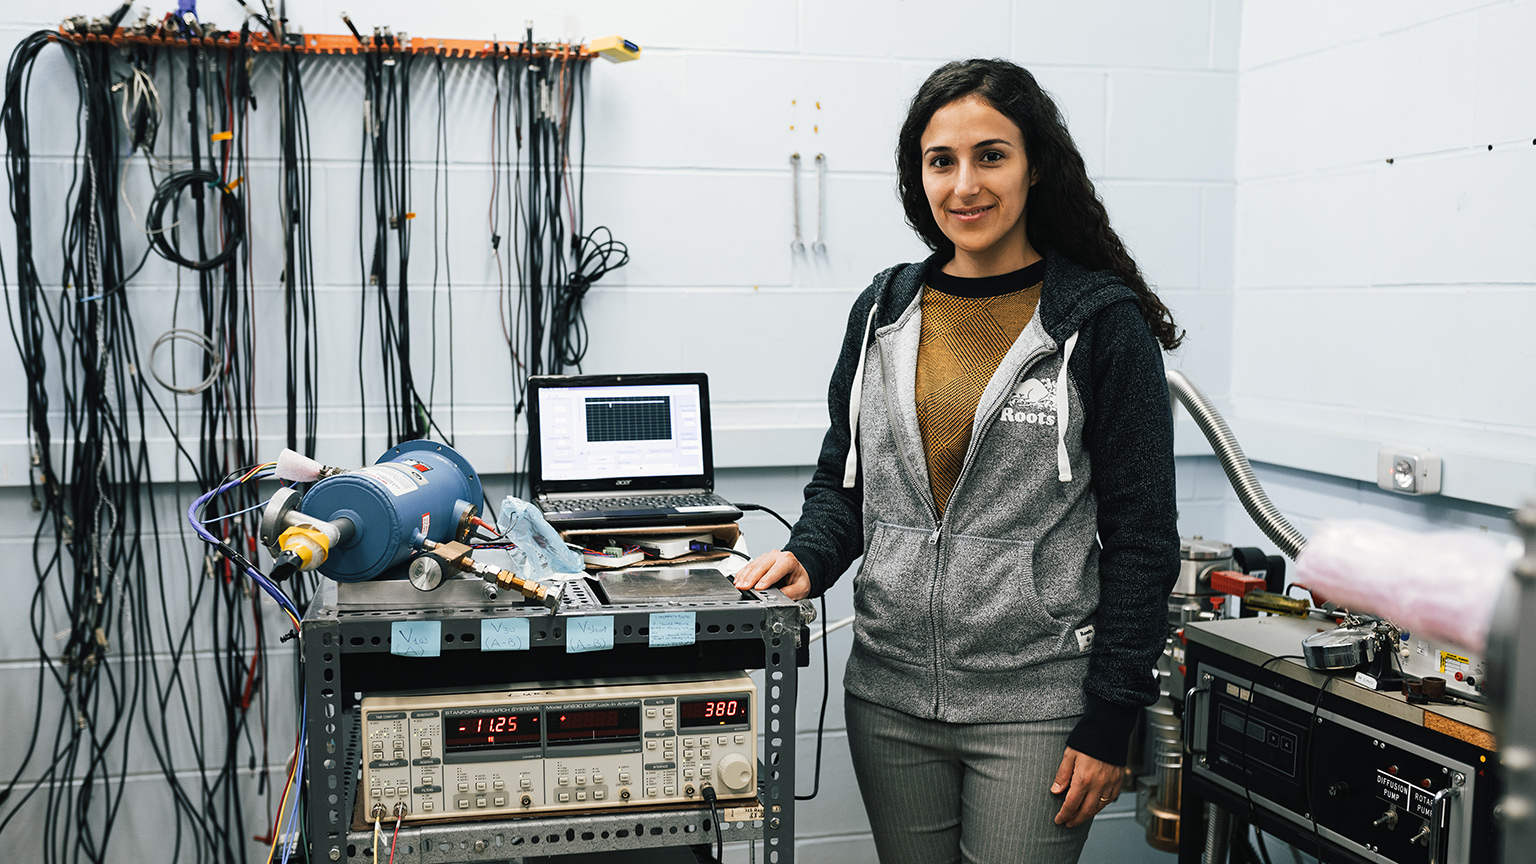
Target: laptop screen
<point x="620" y="432"/>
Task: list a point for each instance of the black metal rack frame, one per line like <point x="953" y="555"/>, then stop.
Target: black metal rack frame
<point x="346" y="651"/>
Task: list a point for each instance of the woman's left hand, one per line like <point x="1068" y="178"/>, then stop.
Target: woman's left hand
<point x="1090" y="784"/>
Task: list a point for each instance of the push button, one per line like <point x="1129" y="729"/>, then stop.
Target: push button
<point x="599" y="794"/>
<point x="499" y="801"/>
<point x="463" y="803"/>
<point x="564" y="797"/>
<point x="480" y="801"/>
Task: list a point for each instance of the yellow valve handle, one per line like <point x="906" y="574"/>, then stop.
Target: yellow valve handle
<point x="310" y="544"/>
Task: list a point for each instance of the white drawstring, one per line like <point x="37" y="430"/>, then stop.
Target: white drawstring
<point x="855" y="397"/>
<point x="1063" y="464"/>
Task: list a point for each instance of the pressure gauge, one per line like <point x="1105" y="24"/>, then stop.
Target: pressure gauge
<point x="426" y="573"/>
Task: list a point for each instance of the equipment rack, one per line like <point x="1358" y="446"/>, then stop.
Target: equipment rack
<point x="346" y="651"/>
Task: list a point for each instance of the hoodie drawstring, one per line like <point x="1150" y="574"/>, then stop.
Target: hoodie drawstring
<point x="1063" y="464"/>
<point x="855" y="398"/>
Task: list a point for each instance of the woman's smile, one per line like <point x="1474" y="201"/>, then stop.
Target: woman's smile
<point x="972" y="214"/>
<point x="976" y="175"/>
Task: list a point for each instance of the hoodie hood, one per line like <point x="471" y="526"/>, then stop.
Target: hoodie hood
<point x="1070" y="295"/>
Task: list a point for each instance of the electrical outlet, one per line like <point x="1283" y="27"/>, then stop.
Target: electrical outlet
<point x="1408" y="470"/>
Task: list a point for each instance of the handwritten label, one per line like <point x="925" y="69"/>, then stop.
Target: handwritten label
<point x="416" y="638"/>
<point x="504" y="634"/>
<point x="593" y="633"/>
<point x="669" y="629"/>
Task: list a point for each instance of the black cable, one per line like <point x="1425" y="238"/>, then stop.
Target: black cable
<point x="714" y="814"/>
<point x="1263" y="850"/>
<point x="748" y="508"/>
<point x="826" y="661"/>
<point x="711" y="547"/>
<point x="230" y="210"/>
<point x="568" y="326"/>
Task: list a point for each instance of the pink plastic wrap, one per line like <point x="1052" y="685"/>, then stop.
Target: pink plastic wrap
<point x="1439" y="585"/>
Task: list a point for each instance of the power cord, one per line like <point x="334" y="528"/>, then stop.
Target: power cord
<point x="826" y="661"/>
<point x="714" y="814"/>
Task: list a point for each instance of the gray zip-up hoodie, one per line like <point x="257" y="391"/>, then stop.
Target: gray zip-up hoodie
<point x="1040" y="594"/>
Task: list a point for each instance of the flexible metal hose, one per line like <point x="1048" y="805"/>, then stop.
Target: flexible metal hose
<point x="1218" y="826"/>
<point x="1239" y="471"/>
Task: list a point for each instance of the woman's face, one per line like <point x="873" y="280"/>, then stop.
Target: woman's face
<point x="977" y="179"/>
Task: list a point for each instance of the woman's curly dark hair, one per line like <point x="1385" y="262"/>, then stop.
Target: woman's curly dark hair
<point x="1064" y="212"/>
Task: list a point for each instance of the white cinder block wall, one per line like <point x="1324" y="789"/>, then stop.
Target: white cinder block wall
<point x="1384" y="285"/>
<point x="1241" y="148"/>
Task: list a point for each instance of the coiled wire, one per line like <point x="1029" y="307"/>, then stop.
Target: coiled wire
<point x="231" y="214"/>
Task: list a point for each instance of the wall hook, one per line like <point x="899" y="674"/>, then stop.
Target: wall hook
<point x="817" y="244"/>
<point x="796" y="245"/>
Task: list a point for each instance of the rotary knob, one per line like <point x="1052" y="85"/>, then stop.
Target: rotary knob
<point x="735" y="772"/>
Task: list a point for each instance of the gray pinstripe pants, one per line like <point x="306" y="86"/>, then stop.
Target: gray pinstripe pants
<point x="946" y="792"/>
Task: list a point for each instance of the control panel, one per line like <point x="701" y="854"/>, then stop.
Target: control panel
<point x="1348" y="779"/>
<point x="626" y="743"/>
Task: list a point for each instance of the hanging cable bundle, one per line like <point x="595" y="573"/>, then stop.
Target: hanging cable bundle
<point x="231" y="214"/>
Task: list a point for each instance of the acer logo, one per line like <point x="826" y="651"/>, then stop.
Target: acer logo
<point x="622" y="482"/>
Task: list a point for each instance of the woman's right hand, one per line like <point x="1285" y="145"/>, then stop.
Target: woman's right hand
<point x="775" y="568"/>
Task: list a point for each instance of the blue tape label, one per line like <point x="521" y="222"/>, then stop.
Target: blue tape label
<point x="593" y="633"/>
<point x="504" y="634"/>
<point x="416" y="638"/>
<point x="669" y="629"/>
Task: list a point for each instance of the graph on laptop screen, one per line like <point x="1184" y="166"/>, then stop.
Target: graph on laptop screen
<point x="647" y="430"/>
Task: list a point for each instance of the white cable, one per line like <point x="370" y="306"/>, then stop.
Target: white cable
<point x="831" y="628"/>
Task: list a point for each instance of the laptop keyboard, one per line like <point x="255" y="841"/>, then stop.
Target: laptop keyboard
<point x="634" y="502"/>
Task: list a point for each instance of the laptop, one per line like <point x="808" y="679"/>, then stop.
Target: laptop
<point x="617" y="451"/>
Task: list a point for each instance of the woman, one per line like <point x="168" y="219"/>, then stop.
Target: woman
<point x="1001" y="454"/>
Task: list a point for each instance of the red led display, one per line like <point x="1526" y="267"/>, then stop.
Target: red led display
<point x="490" y="730"/>
<point x="714" y="711"/>
<point x="594" y="725"/>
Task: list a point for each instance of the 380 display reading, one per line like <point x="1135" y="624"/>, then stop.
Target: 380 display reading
<point x="490" y="730"/>
<point x="713" y="711"/>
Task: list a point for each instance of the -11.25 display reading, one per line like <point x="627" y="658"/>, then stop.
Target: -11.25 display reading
<point x="490" y="730"/>
<point x="713" y="711"/>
